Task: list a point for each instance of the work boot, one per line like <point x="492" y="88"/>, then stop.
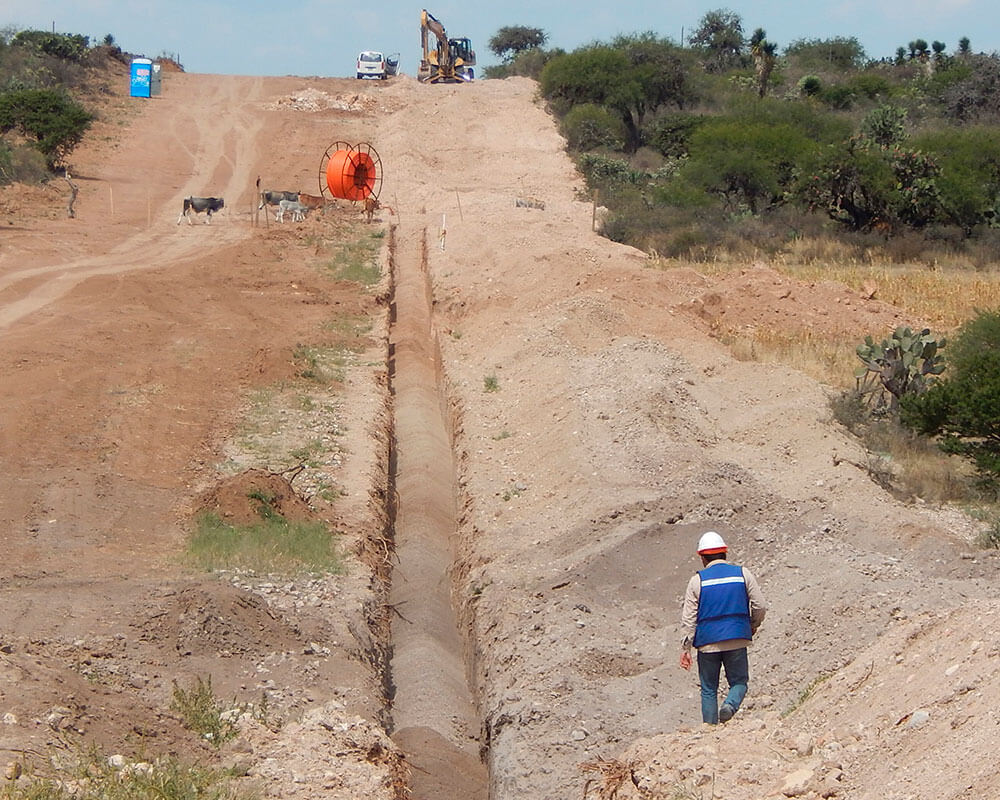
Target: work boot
<point x="726" y="712"/>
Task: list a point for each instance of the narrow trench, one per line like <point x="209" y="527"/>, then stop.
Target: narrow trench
<point x="433" y="716"/>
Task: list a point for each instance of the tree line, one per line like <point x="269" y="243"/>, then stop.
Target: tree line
<point x="686" y="142"/>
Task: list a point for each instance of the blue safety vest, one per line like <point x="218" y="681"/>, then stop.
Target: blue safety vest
<point x="723" y="606"/>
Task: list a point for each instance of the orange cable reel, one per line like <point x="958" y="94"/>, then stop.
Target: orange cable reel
<point x="352" y="173"/>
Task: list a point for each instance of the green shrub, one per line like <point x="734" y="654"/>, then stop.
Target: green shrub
<point x="201" y="712"/>
<point x="527" y="63"/>
<point x="963" y="408"/>
<point x="862" y="185"/>
<point x="905" y="363"/>
<point x="839" y="53"/>
<point x="68" y="46"/>
<point x="969" y="183"/>
<point x="603" y="171"/>
<point x="744" y="162"/>
<point x="838" y="97"/>
<point x="870" y="85"/>
<point x="670" y="134"/>
<point x="885" y="126"/>
<point x="55" y="122"/>
<point x="590" y="127"/>
<point x="810" y="85"/>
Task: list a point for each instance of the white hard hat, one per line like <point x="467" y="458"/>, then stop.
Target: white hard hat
<point x="710" y="543"/>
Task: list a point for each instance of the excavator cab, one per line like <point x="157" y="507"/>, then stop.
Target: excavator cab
<point x="463" y="57"/>
<point x="462" y="49"/>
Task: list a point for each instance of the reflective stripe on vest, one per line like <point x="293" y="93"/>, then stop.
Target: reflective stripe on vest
<point x="723" y="605"/>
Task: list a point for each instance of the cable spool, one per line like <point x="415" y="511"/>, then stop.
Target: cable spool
<point x="350" y="172"/>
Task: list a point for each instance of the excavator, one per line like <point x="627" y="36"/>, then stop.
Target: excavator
<point x="451" y="61"/>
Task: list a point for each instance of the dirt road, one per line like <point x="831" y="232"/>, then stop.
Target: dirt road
<point x="539" y="418"/>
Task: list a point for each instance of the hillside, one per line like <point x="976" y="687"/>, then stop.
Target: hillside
<point x="520" y="430"/>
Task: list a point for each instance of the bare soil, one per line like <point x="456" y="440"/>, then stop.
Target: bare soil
<point x="592" y="427"/>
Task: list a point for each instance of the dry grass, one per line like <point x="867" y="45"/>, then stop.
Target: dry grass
<point x="819" y="356"/>
<point x="943" y="297"/>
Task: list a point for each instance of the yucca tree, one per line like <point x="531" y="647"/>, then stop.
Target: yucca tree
<point x="763" y="53"/>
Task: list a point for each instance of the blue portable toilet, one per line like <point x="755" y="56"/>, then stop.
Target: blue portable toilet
<point x="145" y="78"/>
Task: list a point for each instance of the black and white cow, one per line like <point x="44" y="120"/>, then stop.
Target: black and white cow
<point x="198" y="204"/>
<point x="271" y="197"/>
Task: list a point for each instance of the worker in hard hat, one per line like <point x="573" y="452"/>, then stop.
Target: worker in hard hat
<point x="723" y="607"/>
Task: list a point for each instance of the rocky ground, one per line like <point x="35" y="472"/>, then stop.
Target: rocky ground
<point x="595" y="424"/>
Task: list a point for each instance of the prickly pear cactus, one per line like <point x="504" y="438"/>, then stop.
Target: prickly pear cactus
<point x="906" y="362"/>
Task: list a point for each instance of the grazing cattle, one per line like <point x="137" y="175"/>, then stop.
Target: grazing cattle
<point x="271" y="197"/>
<point x="198" y="204"/>
<point x="298" y="210"/>
<point x="372" y="205"/>
<point x="312" y="201"/>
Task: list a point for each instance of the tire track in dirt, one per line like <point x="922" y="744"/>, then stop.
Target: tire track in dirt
<point x="219" y="130"/>
<point x="434" y="717"/>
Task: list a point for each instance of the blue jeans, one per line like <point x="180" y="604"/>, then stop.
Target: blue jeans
<point x="737" y="669"/>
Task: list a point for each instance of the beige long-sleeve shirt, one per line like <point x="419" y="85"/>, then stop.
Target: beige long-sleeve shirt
<point x="689" y="612"/>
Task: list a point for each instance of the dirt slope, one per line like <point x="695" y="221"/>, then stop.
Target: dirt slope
<point x="597" y="430"/>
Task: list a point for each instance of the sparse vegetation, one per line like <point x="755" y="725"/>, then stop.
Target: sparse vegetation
<point x="990" y="538"/>
<point x="491" y="384"/>
<point x="201" y="711"/>
<point x="94" y="776"/>
<point x="357" y="260"/>
<point x="806" y="693"/>
<point x="320" y="364"/>
<point x="272" y="545"/>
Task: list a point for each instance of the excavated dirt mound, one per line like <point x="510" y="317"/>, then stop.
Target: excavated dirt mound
<point x="759" y="298"/>
<point x="223" y="622"/>
<point x="252" y="496"/>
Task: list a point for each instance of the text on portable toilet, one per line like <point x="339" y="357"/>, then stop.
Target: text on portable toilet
<point x="145" y="78"/>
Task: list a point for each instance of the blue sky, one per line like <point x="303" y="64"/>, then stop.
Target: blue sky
<point x="320" y="37"/>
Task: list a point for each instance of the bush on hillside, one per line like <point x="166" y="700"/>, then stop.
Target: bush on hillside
<point x="963" y="408"/>
<point x="65" y="46"/>
<point x="810" y="85"/>
<point x="869" y="85"/>
<point x="632" y="78"/>
<point x="605" y="172"/>
<point x="51" y="119"/>
<point x="670" y="134"/>
<point x="591" y="127"/>
<point x="969" y="183"/>
<point x="975" y="98"/>
<point x="839" y="97"/>
<point x="747" y="164"/>
<point x="885" y="126"/>
<point x="863" y="186"/>
<point x="841" y="53"/>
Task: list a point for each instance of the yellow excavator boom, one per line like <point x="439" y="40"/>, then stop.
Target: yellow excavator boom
<point x="451" y="61"/>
